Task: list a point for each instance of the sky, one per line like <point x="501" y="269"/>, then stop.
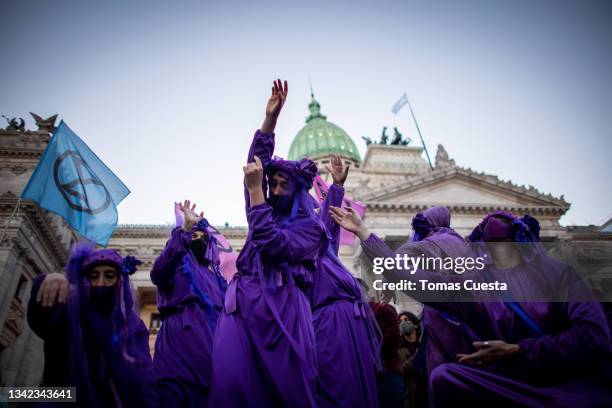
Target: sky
<point x="169" y="94"/>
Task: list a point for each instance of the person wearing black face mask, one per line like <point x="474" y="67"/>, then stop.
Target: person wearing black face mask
<point x="190" y="297"/>
<point x="281" y="193"/>
<point x="199" y="242"/>
<point x="103" y="286"/>
<point x="94" y="341"/>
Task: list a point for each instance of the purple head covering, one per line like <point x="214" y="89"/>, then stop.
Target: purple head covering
<point x="520" y="229"/>
<point x="434" y="226"/>
<point x="83" y="257"/>
<point x="524" y="229"/>
<point x="102" y="257"/>
<point x="435" y="219"/>
<point x="302" y="172"/>
<point x="212" y="249"/>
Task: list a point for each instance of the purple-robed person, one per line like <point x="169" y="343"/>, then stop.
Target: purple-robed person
<point x="530" y="353"/>
<point x="264" y="349"/>
<point x="93" y="339"/>
<point x="348" y="337"/>
<point x="445" y="336"/>
<point x="190" y="290"/>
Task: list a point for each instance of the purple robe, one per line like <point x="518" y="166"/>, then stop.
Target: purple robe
<point x="445" y="335"/>
<point x="554" y="369"/>
<point x="264" y="348"/>
<point x="113" y="379"/>
<point x="183" y="348"/>
<point x="348" y="338"/>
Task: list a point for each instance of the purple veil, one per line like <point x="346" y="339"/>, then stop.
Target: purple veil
<point x="83" y="253"/>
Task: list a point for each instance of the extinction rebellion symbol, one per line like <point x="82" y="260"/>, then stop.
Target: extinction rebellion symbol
<point x="75" y="191"/>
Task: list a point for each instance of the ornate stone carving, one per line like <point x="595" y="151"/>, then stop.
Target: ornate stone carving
<point x="13" y="325"/>
<point x="442" y="159"/>
<point x="15" y="125"/>
<point x="45" y="125"/>
<point x="19" y="169"/>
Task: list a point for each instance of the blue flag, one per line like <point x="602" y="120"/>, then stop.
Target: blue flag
<point x="71" y="181"/>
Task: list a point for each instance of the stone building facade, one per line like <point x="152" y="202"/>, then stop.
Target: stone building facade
<point x="32" y="241"/>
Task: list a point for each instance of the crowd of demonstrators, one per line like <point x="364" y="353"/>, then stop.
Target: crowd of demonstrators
<point x="518" y="353"/>
<point x="294" y="328"/>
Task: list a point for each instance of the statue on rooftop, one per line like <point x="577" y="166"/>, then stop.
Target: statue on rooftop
<point x="15" y="124"/>
<point x="45" y="125"/>
<point x="384" y="138"/>
<point x="442" y="159"/>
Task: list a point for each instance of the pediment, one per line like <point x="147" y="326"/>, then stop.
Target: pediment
<point x="458" y="186"/>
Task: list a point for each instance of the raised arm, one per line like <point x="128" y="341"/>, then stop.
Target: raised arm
<point x="47" y="305"/>
<point x="165" y="265"/>
<point x="379" y="252"/>
<point x="262" y="145"/>
<point x="334" y="199"/>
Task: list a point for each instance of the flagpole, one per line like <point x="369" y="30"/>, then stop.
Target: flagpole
<point x="419" y="130"/>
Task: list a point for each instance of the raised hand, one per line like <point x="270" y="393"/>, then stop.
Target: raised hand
<point x="277" y="99"/>
<point x="190" y="215"/>
<point x="54" y="287"/>
<point x="338" y="172"/>
<point x="253" y="174"/>
<point x="274" y="106"/>
<point x="349" y="220"/>
<point x="253" y="179"/>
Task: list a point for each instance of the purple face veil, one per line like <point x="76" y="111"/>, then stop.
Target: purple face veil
<point x="211" y="256"/>
<point x="83" y="257"/>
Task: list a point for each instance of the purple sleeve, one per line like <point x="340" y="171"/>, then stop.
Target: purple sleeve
<point x="299" y="241"/>
<point x="374" y="247"/>
<point x="334" y="198"/>
<point x="586" y="337"/>
<point x="44" y="320"/>
<point x="166" y="263"/>
<point x="262" y="147"/>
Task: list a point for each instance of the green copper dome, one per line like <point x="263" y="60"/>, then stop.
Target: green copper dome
<point x="321" y="138"/>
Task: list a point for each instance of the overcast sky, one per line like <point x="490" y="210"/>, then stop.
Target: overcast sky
<point x="169" y="95"/>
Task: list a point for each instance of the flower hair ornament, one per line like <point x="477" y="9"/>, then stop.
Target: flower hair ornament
<point x="129" y="265"/>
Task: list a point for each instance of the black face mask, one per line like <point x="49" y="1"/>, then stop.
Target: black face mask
<point x="198" y="248"/>
<point x="282" y="204"/>
<point x="102" y="298"/>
